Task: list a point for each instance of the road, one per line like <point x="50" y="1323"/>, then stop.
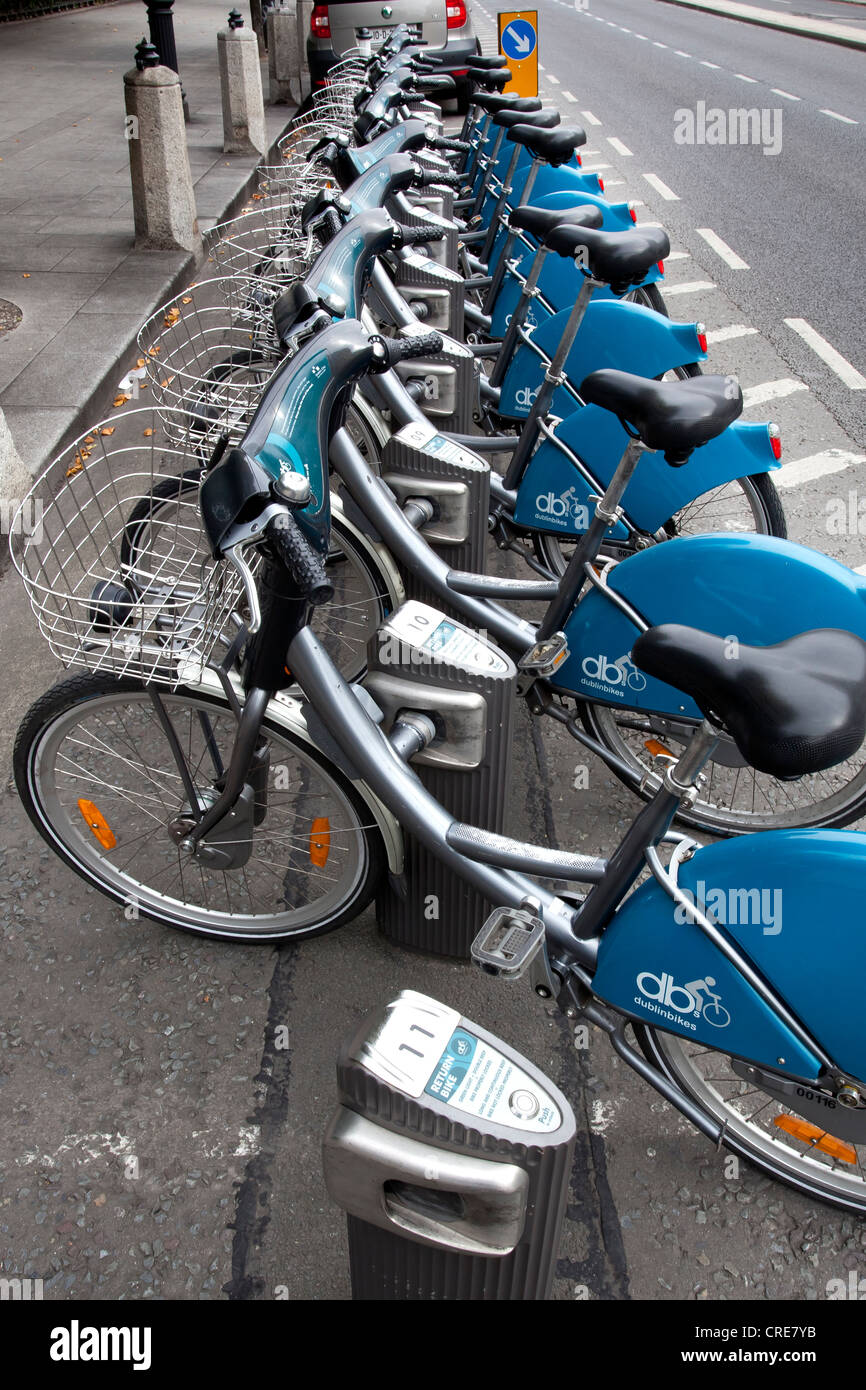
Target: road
<point x="794" y="217"/>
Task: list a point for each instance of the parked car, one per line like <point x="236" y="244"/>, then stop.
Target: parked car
<point x="438" y="24"/>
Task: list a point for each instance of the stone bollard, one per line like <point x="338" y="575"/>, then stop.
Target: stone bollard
<point x="15" y="477"/>
<point x="162" y="193"/>
<point x="241" y="85"/>
<point x="285" y="83"/>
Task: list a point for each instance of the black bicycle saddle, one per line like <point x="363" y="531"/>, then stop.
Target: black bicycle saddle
<point x="793" y="708"/>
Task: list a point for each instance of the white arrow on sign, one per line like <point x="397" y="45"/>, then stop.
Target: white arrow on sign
<point x="521" y="43"/>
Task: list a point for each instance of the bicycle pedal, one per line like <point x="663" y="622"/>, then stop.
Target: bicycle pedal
<point x="546" y="656"/>
<point x="508" y="942"/>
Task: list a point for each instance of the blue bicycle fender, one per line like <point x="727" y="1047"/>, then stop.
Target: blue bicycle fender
<point x="614" y="333"/>
<point x="757" y="589"/>
<point x="657" y="491"/>
<point x="792" y="900"/>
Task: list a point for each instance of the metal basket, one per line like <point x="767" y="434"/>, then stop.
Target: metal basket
<point x="265" y="244"/>
<point x="208" y="355"/>
<point x="118" y="570"/>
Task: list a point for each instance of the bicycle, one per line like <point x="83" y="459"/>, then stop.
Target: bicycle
<point x="154" y="775"/>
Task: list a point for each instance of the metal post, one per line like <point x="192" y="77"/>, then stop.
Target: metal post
<point x="160" y="20"/>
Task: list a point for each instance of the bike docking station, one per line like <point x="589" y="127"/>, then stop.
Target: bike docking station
<point x="450" y="1154"/>
<point x="422" y="661"/>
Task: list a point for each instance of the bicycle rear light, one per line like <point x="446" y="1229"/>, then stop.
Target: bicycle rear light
<point x="775" y="440"/>
<point x="701" y="331"/>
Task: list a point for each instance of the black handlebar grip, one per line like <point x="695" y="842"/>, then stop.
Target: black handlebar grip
<point x="443" y="143"/>
<point x="418" y="345"/>
<point x="416" y="236"/>
<point x="300" y="559"/>
<point x="425" y="177"/>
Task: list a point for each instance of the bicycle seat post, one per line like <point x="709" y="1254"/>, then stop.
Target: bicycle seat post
<point x="553" y="378"/>
<point x="502" y="263"/>
<point x="587" y="548"/>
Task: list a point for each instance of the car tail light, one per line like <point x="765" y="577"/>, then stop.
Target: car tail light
<point x="455" y="14"/>
<point x="701" y="332"/>
<point x="320" y="24"/>
<point x="775" y="440"/>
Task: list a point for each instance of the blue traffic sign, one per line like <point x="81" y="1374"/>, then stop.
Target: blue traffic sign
<point x="518" y="39"/>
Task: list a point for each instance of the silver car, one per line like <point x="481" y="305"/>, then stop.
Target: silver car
<point x="438" y="24"/>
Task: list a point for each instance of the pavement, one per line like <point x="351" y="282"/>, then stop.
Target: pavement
<point x="788" y="21"/>
<point x="160" y="1143"/>
<point x="67" y="256"/>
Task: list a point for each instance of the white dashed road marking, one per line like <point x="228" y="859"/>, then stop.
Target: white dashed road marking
<point x="743" y="78"/>
<point x="771" y="391"/>
<point x="554" y="80"/>
<point x="733" y="330"/>
<point x="618" y="145"/>
<point x="834" y="360"/>
<point x="705" y="64"/>
<point x="815" y="466"/>
<point x="690" y="287"/>
<point x="661" y="188"/>
<point x="569" y="96"/>
<point x="836" y="116"/>
<point x="722" y="249"/>
<point x="789" y="96"/>
<point x="590" y="118"/>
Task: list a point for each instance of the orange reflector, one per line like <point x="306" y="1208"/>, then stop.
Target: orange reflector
<point x="656" y="749"/>
<point x="816" y="1138"/>
<point x="97" y="824"/>
<point x="320" y="841"/>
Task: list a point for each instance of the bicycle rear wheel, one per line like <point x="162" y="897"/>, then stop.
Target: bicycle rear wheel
<point x="98" y="779"/>
<point x="749" y="1117"/>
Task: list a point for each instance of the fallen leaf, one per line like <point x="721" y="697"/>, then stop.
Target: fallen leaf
<point x="90" y="439"/>
<point x="148" y="433"/>
<point x="109" y="429"/>
<point x="26" y="275"/>
<point x="76" y="468"/>
<point x="151" y="352"/>
<point x="100" y="1200"/>
<point x="120" y="400"/>
<point x="139" y="362"/>
<point x="187" y="299"/>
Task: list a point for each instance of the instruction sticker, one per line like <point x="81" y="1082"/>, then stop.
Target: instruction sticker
<point x="476" y="1078"/>
<point x="460" y="646"/>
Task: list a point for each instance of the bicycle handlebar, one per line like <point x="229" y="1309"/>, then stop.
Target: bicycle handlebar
<point x="390" y="351"/>
<point x="300" y="559"/>
<point x="416" y="236"/>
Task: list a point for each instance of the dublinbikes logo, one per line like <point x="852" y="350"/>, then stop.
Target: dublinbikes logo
<point x="681" y="1003"/>
<point x="735" y="907"/>
<point x="738" y="126"/>
<point x="615" y="677"/>
<point x="565" y="509"/>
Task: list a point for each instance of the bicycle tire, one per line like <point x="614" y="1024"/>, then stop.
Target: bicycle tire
<point x="39" y="761"/>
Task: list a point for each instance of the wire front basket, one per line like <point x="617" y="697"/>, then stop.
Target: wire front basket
<point x="118" y="569"/>
<point x="208" y="355"/>
<point x="265" y="244"/>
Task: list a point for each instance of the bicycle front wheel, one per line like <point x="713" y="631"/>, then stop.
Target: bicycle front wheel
<point x="749" y="1116"/>
<point x="100" y="782"/>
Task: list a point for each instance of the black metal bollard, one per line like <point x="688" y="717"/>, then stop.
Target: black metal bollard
<point x="160" y="20"/>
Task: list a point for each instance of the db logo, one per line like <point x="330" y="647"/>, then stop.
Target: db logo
<point x="525" y="397"/>
<point x="548" y="504"/>
<point x="617" y="673"/>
